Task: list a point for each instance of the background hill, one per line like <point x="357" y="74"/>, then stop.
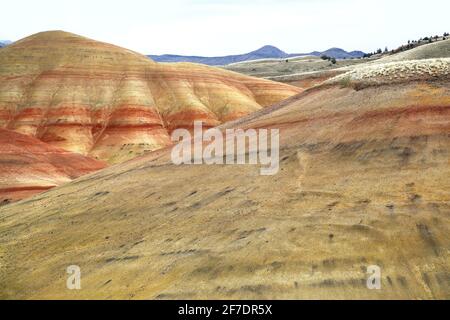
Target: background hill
<point x="284" y="69"/>
<point x="266" y="52"/>
<point x="339" y="54"/>
<point x="307" y="71"/>
<point x="440" y="49"/>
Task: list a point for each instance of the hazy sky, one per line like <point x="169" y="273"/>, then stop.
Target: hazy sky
<point x="223" y="27"/>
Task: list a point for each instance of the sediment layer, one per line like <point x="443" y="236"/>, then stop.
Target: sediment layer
<point x="111" y="103"/>
<point x="29" y="166"/>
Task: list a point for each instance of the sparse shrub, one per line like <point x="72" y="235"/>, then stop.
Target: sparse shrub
<point x="333" y="60"/>
<point x="345" y="82"/>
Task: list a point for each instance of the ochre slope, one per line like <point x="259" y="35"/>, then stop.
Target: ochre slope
<point x="364" y="180"/>
<point x="29" y="166"/>
<point x="111" y="103"/>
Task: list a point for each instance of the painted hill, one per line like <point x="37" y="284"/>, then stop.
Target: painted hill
<point x="363" y="181"/>
<point x="29" y="166"/>
<point x="266" y="52"/>
<point x="112" y="103"/>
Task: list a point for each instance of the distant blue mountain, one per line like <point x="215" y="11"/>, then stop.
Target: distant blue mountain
<point x="340" y="54"/>
<point x="4" y="43"/>
<point x="266" y="52"/>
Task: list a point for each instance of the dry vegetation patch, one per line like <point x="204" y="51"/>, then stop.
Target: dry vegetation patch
<point x="394" y="72"/>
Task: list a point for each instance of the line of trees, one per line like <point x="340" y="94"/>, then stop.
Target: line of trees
<point x="331" y="59"/>
<point x="411" y="44"/>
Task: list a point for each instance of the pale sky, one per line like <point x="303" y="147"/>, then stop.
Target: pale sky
<point x="211" y="28"/>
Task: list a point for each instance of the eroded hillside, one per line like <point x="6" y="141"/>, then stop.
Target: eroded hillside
<point x="363" y="181"/>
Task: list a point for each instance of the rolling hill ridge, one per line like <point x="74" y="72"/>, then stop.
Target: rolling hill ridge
<point x="266" y="52"/>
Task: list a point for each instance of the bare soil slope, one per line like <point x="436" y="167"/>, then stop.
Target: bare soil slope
<point x="29" y="166"/>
